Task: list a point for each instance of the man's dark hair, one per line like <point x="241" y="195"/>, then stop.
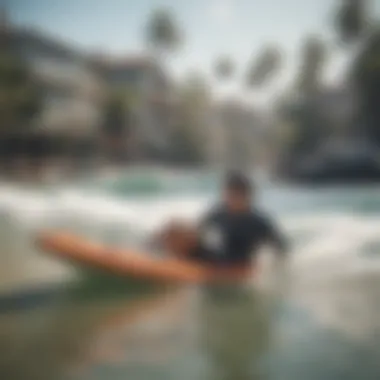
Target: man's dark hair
<point x="236" y="181"/>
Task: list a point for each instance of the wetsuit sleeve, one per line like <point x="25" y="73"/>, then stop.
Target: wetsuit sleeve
<point x="273" y="236"/>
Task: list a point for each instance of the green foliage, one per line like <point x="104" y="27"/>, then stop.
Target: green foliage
<point x="20" y="96"/>
<point x="313" y="53"/>
<point x="187" y="147"/>
<point x="117" y="114"/>
<point x="366" y="67"/>
<point x="309" y="128"/>
<point x="354" y="23"/>
<point x="351" y="20"/>
<point x="162" y="31"/>
<point x="366" y="76"/>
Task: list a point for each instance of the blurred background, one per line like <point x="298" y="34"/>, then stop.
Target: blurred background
<point x="116" y="116"/>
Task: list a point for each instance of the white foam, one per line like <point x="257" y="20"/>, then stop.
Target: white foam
<point x="332" y="245"/>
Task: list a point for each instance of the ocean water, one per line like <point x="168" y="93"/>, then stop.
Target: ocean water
<point x="320" y="319"/>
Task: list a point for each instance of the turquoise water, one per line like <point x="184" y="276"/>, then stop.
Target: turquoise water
<point x="321" y="321"/>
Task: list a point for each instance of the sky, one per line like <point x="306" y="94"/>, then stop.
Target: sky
<point x="211" y="28"/>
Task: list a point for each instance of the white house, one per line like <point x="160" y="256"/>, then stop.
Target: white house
<point x="70" y="87"/>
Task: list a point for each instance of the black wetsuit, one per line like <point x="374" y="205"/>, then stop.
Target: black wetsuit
<point x="232" y="239"/>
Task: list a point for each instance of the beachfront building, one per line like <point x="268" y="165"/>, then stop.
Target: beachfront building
<point x="75" y="86"/>
<point x="69" y="100"/>
<point x="71" y="89"/>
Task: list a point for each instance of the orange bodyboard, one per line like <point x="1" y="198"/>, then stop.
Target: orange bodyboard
<point x="132" y="263"/>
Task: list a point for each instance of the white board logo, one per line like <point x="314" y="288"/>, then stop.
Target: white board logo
<point x="213" y="239"/>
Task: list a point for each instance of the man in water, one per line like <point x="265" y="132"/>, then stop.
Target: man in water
<point x="231" y="234"/>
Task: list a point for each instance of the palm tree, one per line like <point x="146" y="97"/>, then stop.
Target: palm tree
<point x="354" y="24"/>
<point x="224" y="67"/>
<point x="307" y="128"/>
<point x="351" y="19"/>
<point x="365" y="75"/>
<point x="263" y="68"/>
<point x="313" y="59"/>
<point x="163" y="35"/>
